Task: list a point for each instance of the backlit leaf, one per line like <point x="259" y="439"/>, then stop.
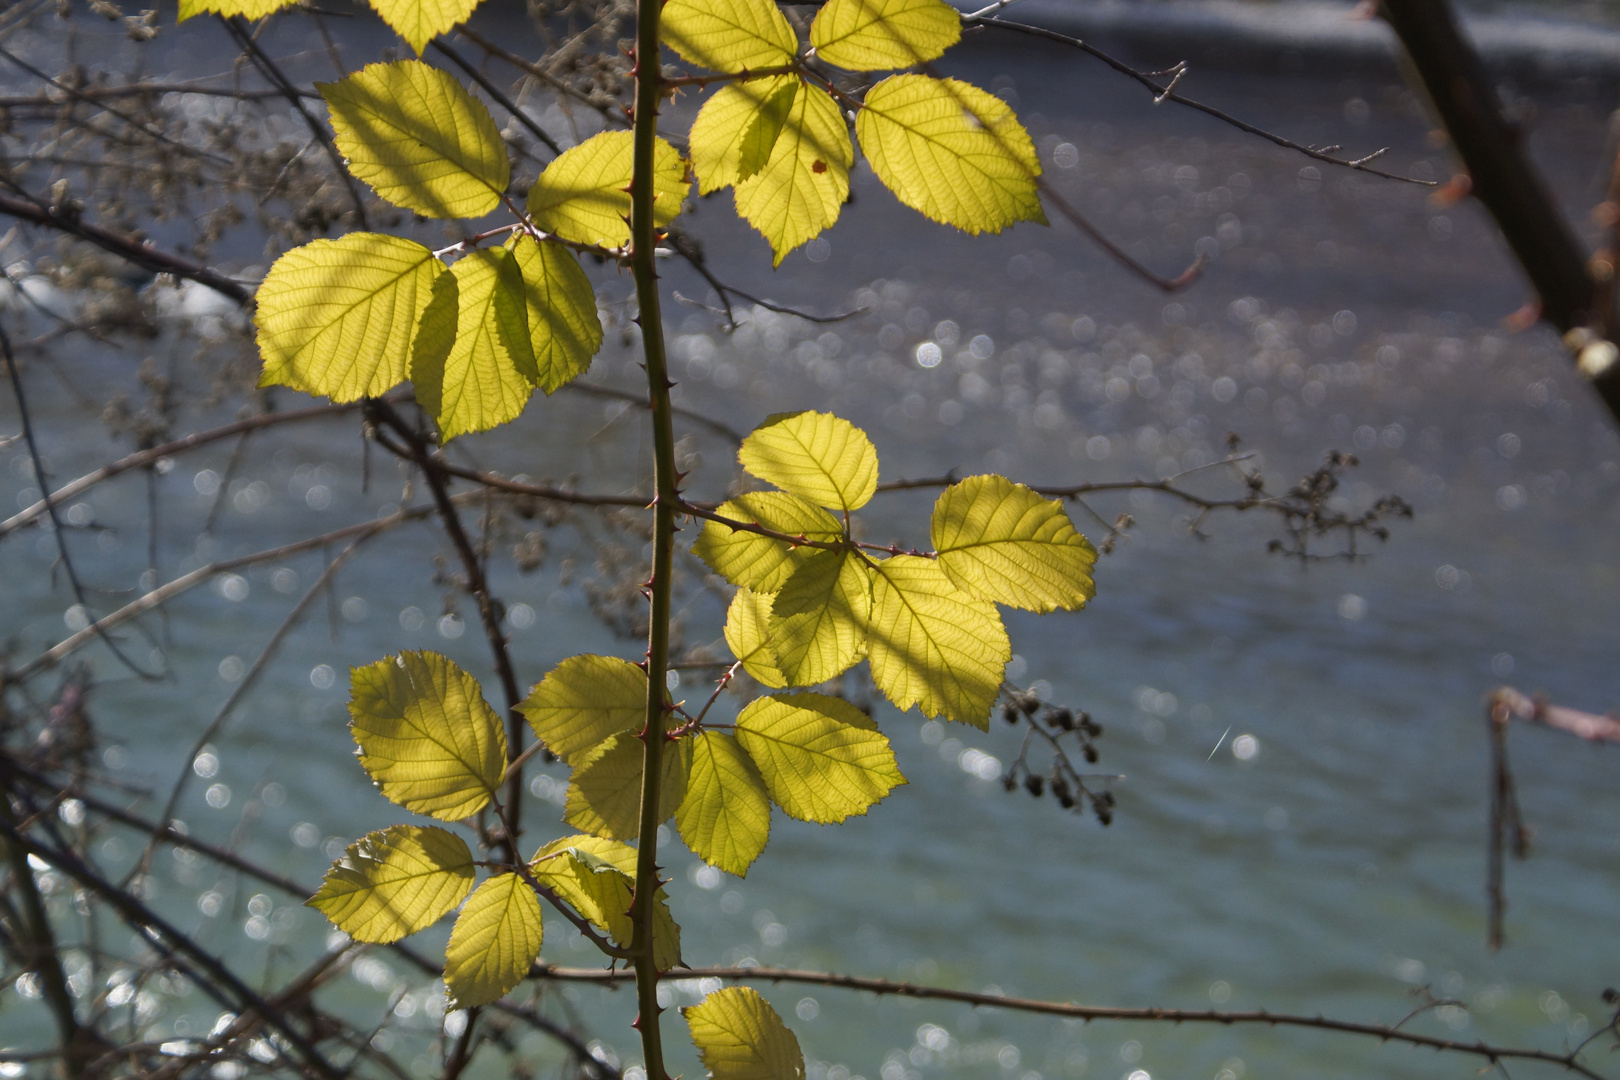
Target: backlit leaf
<point x="822" y="759"/>
<point x="584" y="195"/>
<point x="604" y="794"/>
<point x="495" y="939"/>
<point x="426" y="735"/>
<point x="479" y="384"/>
<point x="559" y="311"/>
<point x="802" y="187"/>
<point x="395" y="882"/>
<point x="419" y="139"/>
<point x="1001" y="541"/>
<point x="951" y="151"/>
<point x="763" y="562"/>
<point x="748" y="622"/>
<point x="420" y="21"/>
<point x="586" y="700"/>
<point x="595" y="876"/>
<point x="736" y="130"/>
<point x="933" y="645"/>
<point x="740" y="1037"/>
<point x="728" y="35"/>
<point x="818" y="619"/>
<point x="819" y="456"/>
<point x="340" y="317"/>
<point x="248" y="9"/>
<point x="880" y="35"/>
<point x="726" y="816"/>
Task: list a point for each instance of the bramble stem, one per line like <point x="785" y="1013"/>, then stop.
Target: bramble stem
<point x="665" y="502"/>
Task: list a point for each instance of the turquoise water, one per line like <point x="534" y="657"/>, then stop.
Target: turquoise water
<point x="1336" y="868"/>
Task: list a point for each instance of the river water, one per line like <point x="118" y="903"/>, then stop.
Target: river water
<point x="1301" y="823"/>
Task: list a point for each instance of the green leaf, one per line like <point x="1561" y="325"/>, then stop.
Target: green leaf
<point x="740" y="1037"/>
<point x="932" y="644"/>
<point x="558" y="310"/>
<point x="818" y="619"/>
<point x="395" y="882"/>
<point x="248" y="9"/>
<point x="604" y="794"/>
<point x="420" y="21"/>
<point x="495" y="939"/>
<point x="763" y="562"/>
<point x="726" y="816"/>
<point x="736" y="130"/>
<point x="748" y="621"/>
<point x="478" y="384"/>
<point x="419" y="139"/>
<point x="595" y="876"/>
<point x="802" y="188"/>
<point x="1002" y="542"/>
<point x="426" y="735"/>
<point x="584" y="195"/>
<point x="822" y="759"/>
<point x="881" y="35"/>
<point x="950" y="151"/>
<point x="340" y="317"/>
<point x="816" y="455"/>
<point x="728" y="35"/>
<point x="584" y="701"/>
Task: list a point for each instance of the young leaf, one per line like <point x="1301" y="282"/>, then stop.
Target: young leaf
<point x="818" y="620"/>
<point x="817" y="455"/>
<point x="950" y="151"/>
<point x="248" y="9"/>
<point x="584" y="195"/>
<point x="822" y="759"/>
<point x="395" y="882"/>
<point x="559" y="311"/>
<point x="479" y="383"/>
<point x="1002" y="542"/>
<point x="763" y="562"/>
<point x="748" y="621"/>
<point x="726" y="816"/>
<point x="802" y="187"/>
<point x="426" y="735"/>
<point x="933" y="645"/>
<point x="728" y="35"/>
<point x="595" y="877"/>
<point x="881" y="35"/>
<point x="737" y="128"/>
<point x="340" y="317"/>
<point x="586" y="700"/>
<point x="495" y="939"/>
<point x="740" y="1037"/>
<point x="604" y="794"/>
<point x="420" y="21"/>
<point x="419" y="139"/>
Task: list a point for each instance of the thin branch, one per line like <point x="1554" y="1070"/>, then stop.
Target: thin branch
<point x="235" y="25"/>
<point x="1165" y="92"/>
<point x="168" y="591"/>
<point x="143" y="458"/>
<point x="597" y="390"/>
<point x="434" y="472"/>
<point x="140" y="252"/>
<point x="144" y="919"/>
<point x="57" y="528"/>
<point x="1117" y="253"/>
<point x="885" y="987"/>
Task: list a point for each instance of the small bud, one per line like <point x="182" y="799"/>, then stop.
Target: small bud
<point x="1034" y="783"/>
<point x="1009" y="782"/>
<point x="1009" y="713"/>
<point x="1090" y="753"/>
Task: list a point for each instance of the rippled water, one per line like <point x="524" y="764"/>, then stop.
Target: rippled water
<point x="1302" y="822"/>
